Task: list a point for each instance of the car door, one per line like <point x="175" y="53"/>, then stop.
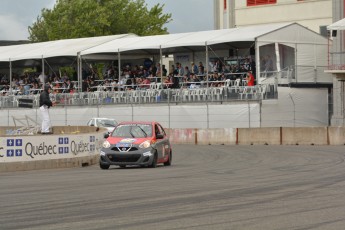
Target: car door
<point x="166" y="147"/>
<point x="161" y="144"/>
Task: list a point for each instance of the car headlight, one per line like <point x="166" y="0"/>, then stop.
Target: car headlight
<point x="102" y="153"/>
<point x="145" y="144"/>
<point x="106" y="144"/>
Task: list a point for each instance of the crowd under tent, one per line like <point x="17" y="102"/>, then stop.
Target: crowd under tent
<point x="297" y="54"/>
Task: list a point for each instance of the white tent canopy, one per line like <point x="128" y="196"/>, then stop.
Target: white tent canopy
<point x="59" y="48"/>
<point x="192" y="39"/>
<point x="339" y="25"/>
<point x="130" y="42"/>
<point x="248" y="33"/>
<point x="7" y="53"/>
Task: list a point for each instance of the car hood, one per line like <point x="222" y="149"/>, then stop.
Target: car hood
<point x="122" y="140"/>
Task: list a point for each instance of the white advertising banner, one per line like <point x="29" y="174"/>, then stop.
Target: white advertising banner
<point x="33" y="148"/>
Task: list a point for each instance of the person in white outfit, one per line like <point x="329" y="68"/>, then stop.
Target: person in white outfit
<point x="45" y="104"/>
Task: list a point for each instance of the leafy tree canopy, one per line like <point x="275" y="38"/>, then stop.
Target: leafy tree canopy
<point x="90" y="18"/>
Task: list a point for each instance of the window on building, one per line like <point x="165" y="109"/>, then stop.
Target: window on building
<point x="260" y="2"/>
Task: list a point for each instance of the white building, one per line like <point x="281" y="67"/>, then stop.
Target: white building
<point x="337" y="63"/>
<point x="313" y="14"/>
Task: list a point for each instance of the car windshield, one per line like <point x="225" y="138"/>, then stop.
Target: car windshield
<point x="106" y="122"/>
<point x="133" y="130"/>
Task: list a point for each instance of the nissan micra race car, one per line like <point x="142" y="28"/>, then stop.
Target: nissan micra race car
<point x="136" y="143"/>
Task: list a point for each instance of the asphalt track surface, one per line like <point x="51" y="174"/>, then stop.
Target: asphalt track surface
<point x="207" y="187"/>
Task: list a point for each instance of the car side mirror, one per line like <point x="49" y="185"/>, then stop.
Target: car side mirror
<point x="106" y="135"/>
<point x="159" y="136"/>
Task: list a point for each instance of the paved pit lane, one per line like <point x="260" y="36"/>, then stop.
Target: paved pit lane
<point x="207" y="187"/>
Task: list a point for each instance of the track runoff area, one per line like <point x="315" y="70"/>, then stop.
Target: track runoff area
<point x="206" y="187"/>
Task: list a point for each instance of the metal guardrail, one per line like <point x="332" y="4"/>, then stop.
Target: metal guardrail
<point x="149" y="96"/>
<point x="336" y="61"/>
<point x="284" y="76"/>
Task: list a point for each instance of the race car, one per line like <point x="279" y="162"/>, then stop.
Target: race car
<point x="136" y="143"/>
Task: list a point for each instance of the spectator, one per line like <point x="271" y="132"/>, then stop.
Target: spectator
<point x="246" y="64"/>
<point x="168" y="82"/>
<point x="180" y="70"/>
<point x="69" y="86"/>
<point x="194" y="68"/>
<point x="175" y="81"/>
<point x="250" y="79"/>
<point x="187" y="72"/>
<point x="42" y="78"/>
<point x="145" y="83"/>
<point x="165" y="71"/>
<point x="85" y="87"/>
<point x="45" y="103"/>
<point x="201" y="69"/>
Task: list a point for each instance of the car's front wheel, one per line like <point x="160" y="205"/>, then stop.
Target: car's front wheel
<point x="154" y="161"/>
<point x="104" y="166"/>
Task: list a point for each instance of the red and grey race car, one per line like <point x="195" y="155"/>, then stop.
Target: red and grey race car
<point x="136" y="143"/>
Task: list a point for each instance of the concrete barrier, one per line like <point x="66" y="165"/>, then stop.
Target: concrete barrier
<point x="305" y="136"/>
<point x="336" y="135"/>
<point x="182" y="136"/>
<point x="226" y="136"/>
<point x="259" y="136"/>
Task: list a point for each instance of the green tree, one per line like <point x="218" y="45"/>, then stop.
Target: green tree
<point x="89" y="18"/>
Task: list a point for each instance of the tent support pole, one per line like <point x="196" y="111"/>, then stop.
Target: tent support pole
<point x="79" y="62"/>
<point x="296" y="61"/>
<point x="258" y="63"/>
<point x="276" y="47"/>
<point x="206" y="64"/>
<point x="10" y="89"/>
<point x="43" y="72"/>
<point x="161" y="63"/>
<point x="119" y="64"/>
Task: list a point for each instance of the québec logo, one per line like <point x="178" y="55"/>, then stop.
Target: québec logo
<point x="64" y="141"/>
<point x="13" y="146"/>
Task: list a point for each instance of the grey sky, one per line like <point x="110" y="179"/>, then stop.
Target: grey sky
<point x="187" y="15"/>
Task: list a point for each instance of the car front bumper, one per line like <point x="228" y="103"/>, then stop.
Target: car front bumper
<point x="114" y="156"/>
